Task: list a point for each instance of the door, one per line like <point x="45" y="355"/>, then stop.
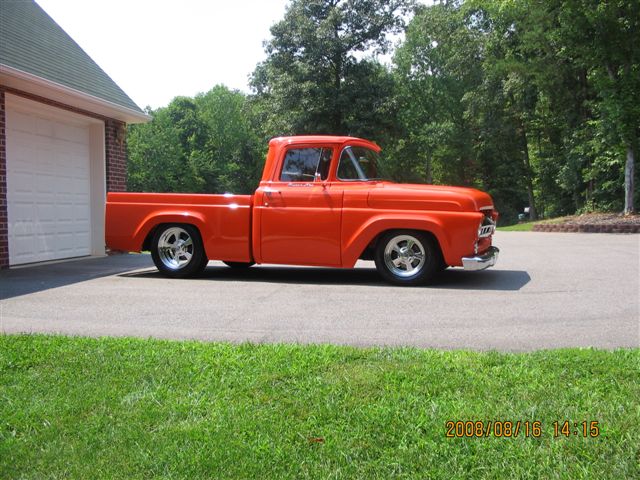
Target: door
<point x="48" y="187"/>
<point x="301" y="212"/>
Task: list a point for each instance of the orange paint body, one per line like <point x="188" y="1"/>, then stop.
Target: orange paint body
<point x="322" y="222"/>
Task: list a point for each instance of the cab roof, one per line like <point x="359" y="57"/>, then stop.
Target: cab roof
<point x="334" y="139"/>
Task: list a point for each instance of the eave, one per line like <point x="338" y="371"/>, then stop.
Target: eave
<point x="29" y="83"/>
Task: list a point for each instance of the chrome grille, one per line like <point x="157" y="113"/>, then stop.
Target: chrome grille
<point x="488" y="226"/>
<point x="486" y="231"/>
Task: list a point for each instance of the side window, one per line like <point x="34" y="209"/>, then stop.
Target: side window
<point x="358" y="163"/>
<point x="301" y="164"/>
<point x="346" y="167"/>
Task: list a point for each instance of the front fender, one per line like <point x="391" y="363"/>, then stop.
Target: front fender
<point x="355" y="244"/>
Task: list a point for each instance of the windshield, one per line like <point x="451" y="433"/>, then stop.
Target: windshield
<point x="358" y="163"/>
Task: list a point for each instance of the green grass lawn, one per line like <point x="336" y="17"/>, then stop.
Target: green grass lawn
<point x="518" y="227"/>
<point x="528" y="226"/>
<point x="127" y="408"/>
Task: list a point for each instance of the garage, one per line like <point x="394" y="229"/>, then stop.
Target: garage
<point x="63" y="141"/>
<point x="52" y="200"/>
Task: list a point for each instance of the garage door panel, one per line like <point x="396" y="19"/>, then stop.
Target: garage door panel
<point x="81" y="217"/>
<point x="46" y="244"/>
<point x="70" y="133"/>
<point x="23" y="249"/>
<point x="23" y="155"/>
<point x="67" y="241"/>
<point x="21" y="210"/>
<point x="23" y="181"/>
<point x="21" y="122"/>
<point x="22" y="231"/>
<point x="44" y="128"/>
<point x="80" y="183"/>
<point x="49" y="194"/>
<point x="47" y="228"/>
<point x="82" y="239"/>
<point x="64" y="213"/>
<point x="45" y="184"/>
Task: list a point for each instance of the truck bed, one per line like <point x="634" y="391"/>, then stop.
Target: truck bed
<point x="224" y="221"/>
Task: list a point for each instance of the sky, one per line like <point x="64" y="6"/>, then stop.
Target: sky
<point x="156" y="50"/>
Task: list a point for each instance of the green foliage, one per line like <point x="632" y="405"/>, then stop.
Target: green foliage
<point x="541" y="94"/>
<point x="534" y="101"/>
<point x="315" y="79"/>
<point x="205" y="144"/>
<point x="436" y="66"/>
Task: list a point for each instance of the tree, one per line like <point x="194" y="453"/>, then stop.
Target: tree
<point x="436" y="66"/>
<point x="454" y="107"/>
<point x="156" y="155"/>
<point x="230" y="158"/>
<point x="542" y="93"/>
<point x="205" y="144"/>
<point x="534" y="101"/>
<point x="316" y="79"/>
<point x="603" y="38"/>
<point x="579" y="60"/>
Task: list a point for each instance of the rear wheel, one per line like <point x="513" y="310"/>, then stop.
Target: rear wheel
<point x="406" y="257"/>
<point x="177" y="250"/>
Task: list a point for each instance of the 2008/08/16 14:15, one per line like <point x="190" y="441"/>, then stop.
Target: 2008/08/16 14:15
<point x="514" y="428"/>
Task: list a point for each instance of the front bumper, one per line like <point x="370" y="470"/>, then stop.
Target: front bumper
<point x="480" y="262"/>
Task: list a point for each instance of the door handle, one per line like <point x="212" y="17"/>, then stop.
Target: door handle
<point x="268" y="191"/>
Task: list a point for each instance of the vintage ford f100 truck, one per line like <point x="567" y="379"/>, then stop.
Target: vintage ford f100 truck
<point x="320" y="202"/>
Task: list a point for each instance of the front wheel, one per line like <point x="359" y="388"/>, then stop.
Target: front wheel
<point x="177" y="250"/>
<point x="406" y="257"/>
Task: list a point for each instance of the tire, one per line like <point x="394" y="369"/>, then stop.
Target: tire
<point x="239" y="265"/>
<point x="407" y="257"/>
<point x="177" y="250"/>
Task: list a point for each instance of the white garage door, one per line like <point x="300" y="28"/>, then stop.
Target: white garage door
<point x="48" y="187"/>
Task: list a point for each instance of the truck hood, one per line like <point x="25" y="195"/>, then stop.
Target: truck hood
<point x="427" y="197"/>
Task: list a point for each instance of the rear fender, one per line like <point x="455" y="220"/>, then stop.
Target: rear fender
<point x="155" y="219"/>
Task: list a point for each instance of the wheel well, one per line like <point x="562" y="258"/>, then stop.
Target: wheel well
<point x="369" y="251"/>
<point x="146" y="245"/>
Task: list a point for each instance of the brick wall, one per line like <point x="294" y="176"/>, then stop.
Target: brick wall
<point x="4" y="240"/>
<point x="115" y="134"/>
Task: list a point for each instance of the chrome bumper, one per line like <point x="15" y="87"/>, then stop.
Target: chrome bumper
<point x="480" y="262"/>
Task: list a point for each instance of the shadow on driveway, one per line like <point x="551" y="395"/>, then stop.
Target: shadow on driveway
<point x="457" y="279"/>
<point x="22" y="281"/>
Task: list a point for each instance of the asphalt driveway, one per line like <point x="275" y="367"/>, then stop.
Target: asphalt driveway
<point x="548" y="290"/>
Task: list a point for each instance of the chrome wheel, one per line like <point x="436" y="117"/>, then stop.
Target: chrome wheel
<point x="404" y="256"/>
<point x="175" y="248"/>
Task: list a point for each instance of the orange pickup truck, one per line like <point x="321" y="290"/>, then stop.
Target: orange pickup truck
<point x="320" y="202"/>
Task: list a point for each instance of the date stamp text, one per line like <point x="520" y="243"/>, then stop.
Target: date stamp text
<point x="520" y="428"/>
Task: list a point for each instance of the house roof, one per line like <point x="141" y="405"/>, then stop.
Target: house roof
<point x="34" y="46"/>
